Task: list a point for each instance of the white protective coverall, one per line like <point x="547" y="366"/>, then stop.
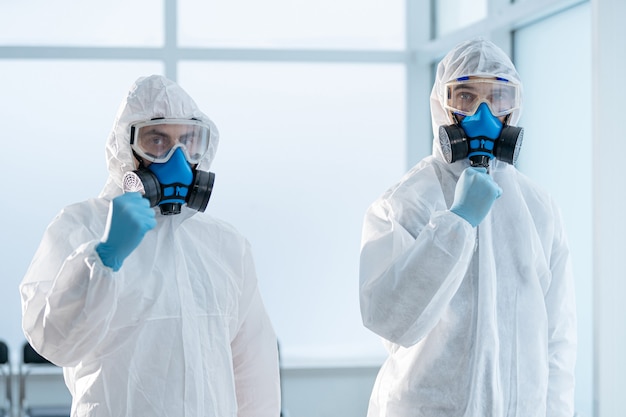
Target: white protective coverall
<point x="477" y="321"/>
<point x="180" y="329"/>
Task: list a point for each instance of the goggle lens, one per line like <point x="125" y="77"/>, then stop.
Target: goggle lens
<point x="465" y="95"/>
<point x="156" y="140"/>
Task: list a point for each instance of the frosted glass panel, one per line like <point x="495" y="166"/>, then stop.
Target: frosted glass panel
<point x="82" y="23"/>
<point x="452" y="15"/>
<point x="304" y="150"/>
<point x="553" y="58"/>
<point x="292" y="23"/>
<point x="55" y="117"/>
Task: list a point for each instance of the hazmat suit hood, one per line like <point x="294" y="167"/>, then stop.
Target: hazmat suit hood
<point x="476" y="57"/>
<point x="148" y="98"/>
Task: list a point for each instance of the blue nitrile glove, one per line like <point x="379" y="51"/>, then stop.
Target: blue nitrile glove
<point x="130" y="217"/>
<point x="474" y="195"/>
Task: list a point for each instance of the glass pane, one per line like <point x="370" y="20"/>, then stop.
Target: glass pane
<point x="304" y="150"/>
<point x="82" y="23"/>
<point x="56" y="117"/>
<point x="558" y="155"/>
<point x="365" y="24"/>
<point x="452" y="15"/>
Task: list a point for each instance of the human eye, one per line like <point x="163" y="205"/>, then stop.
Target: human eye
<point x="503" y="98"/>
<point x="463" y="99"/>
<point x="188" y="139"/>
<point x="466" y="96"/>
<point x="155" y="144"/>
<point x="498" y="95"/>
<point x="156" y="141"/>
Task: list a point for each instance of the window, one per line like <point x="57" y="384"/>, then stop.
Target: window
<point x="110" y="23"/>
<point x="329" y="24"/>
<point x="452" y="15"/>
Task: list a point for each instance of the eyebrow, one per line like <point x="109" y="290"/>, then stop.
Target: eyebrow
<point x="154" y="129"/>
<point x="465" y="87"/>
<point x="188" y="134"/>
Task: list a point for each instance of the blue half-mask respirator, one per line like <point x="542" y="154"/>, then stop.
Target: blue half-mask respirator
<point x="172" y="184"/>
<point x="481" y="137"/>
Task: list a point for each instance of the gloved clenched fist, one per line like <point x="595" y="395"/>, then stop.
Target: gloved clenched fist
<point x="130" y="218"/>
<point x="474" y="195"/>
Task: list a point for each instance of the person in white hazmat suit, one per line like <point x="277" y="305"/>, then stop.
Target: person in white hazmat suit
<point x="151" y="308"/>
<point x="465" y="270"/>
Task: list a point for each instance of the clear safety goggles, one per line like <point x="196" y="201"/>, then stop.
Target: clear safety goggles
<point x="464" y="95"/>
<point x="157" y="140"/>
